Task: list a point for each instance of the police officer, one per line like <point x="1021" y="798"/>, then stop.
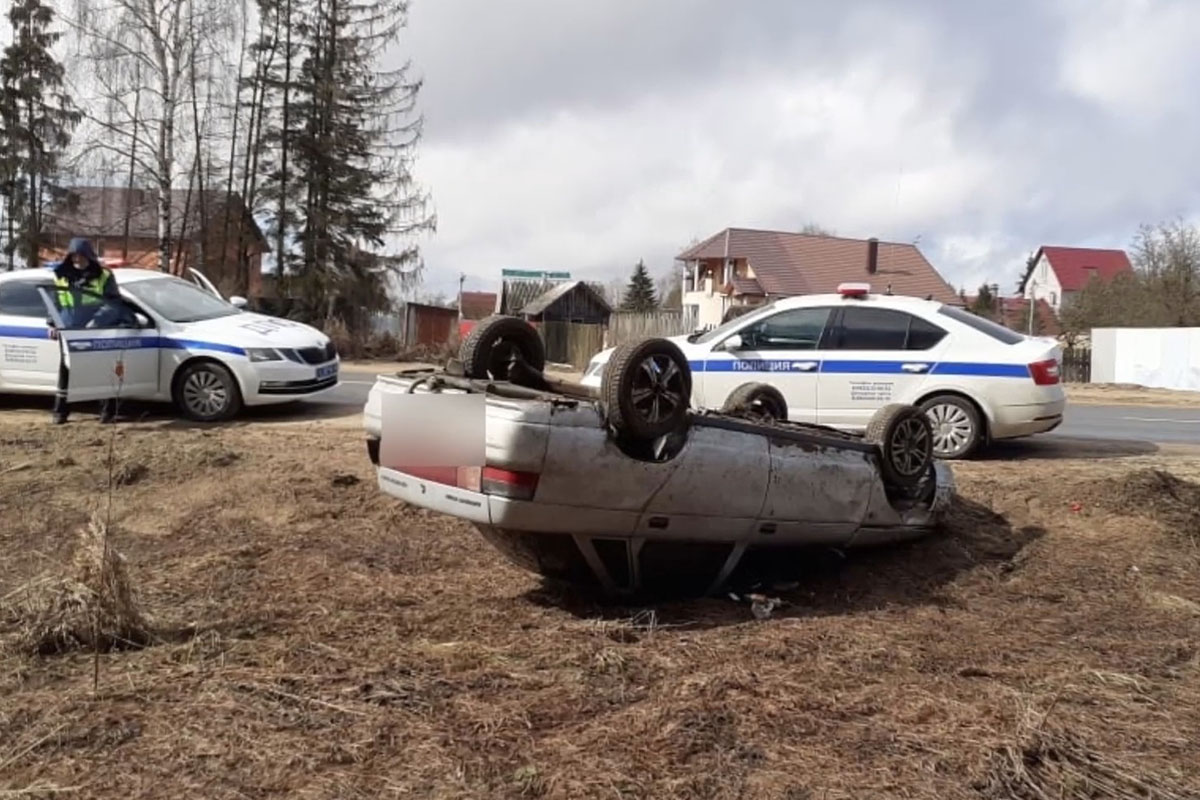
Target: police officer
<point x="83" y="287"/>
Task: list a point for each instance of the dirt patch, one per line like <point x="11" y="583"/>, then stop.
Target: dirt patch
<point x="1157" y="494"/>
<point x="344" y="645"/>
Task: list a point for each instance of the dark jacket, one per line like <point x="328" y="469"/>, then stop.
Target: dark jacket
<point x="86" y="278"/>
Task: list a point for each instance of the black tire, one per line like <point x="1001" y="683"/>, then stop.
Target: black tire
<point x="757" y="399"/>
<point x="494" y="343"/>
<point x="646" y="389"/>
<point x="207" y="392"/>
<point x="905" y="440"/>
<point x="957" y="426"/>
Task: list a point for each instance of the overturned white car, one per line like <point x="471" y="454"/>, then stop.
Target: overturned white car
<point x="626" y="488"/>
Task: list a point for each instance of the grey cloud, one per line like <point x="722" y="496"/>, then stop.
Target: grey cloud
<point x="641" y="124"/>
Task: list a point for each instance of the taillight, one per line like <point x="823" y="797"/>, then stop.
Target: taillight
<point x="1045" y="373"/>
<point x="506" y="483"/>
<point x="489" y="480"/>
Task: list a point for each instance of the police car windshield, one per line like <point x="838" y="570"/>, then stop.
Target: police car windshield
<point x="728" y="327"/>
<point x="179" y="301"/>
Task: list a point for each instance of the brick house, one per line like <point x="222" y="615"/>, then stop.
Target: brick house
<point x="740" y="266"/>
<point x="123" y="224"/>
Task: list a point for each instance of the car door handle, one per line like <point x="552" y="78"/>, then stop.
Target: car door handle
<point x="914" y="367"/>
<point x="805" y="366"/>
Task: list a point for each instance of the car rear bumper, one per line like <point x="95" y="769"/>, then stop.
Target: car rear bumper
<point x="1014" y="421"/>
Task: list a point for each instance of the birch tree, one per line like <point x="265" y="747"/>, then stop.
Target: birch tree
<point x="146" y="58"/>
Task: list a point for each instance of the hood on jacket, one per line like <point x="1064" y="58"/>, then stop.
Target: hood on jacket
<point x="83" y="248"/>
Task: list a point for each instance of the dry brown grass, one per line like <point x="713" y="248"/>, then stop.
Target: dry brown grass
<point x="91" y="607"/>
<point x="1125" y="394"/>
<point x="1046" y="644"/>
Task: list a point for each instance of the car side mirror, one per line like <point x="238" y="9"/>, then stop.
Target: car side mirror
<point x="237" y="301"/>
<point x="734" y="342"/>
<point x="142" y="320"/>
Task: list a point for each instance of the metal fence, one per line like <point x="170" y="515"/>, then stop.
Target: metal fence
<point x="1077" y="365"/>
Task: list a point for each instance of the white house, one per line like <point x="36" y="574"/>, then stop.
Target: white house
<point x="1060" y="272"/>
<point x="741" y="266"/>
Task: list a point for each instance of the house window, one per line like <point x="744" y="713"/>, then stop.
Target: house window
<point x="1054" y="298"/>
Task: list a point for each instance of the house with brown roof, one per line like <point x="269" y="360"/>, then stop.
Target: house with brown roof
<point x="123" y="224"/>
<point x="1059" y="273"/>
<point x="742" y="266"/>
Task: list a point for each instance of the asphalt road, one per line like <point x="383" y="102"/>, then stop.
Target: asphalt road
<point x="1157" y="424"/>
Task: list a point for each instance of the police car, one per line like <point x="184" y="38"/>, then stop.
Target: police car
<point x="835" y="359"/>
<point x="171" y="340"/>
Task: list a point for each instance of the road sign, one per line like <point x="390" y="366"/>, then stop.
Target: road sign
<point x="534" y="274"/>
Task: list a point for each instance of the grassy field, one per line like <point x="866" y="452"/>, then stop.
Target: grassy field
<point x="303" y="636"/>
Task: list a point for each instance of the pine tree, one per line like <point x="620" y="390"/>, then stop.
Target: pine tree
<point x="985" y="303"/>
<point x="37" y="118"/>
<point x="640" y="295"/>
<point x="343" y="136"/>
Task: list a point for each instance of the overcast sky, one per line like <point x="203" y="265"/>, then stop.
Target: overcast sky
<point x="586" y="134"/>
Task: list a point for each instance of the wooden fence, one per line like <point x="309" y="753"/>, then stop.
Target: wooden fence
<point x="571" y="343"/>
<point x="1077" y="365"/>
<point x="624" y="325"/>
<point x="575" y="344"/>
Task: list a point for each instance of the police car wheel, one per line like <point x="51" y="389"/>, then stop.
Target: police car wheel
<point x="957" y="431"/>
<point x="905" y="440"/>
<point x="489" y="350"/>
<point x="207" y="392"/>
<point x="757" y="400"/>
<point x="646" y="389"/>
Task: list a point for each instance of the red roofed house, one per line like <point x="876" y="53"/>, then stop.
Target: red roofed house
<point x="739" y="266"/>
<point x="1060" y="272"/>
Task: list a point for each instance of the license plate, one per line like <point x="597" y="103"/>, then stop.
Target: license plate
<point x="327" y="371"/>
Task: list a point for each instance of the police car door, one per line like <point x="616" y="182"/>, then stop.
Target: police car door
<point x="28" y="356"/>
<point x="113" y="353"/>
<point x="876" y="356"/>
<point x="779" y="350"/>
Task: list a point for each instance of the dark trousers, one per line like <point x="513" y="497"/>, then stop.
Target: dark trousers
<point x="107" y="407"/>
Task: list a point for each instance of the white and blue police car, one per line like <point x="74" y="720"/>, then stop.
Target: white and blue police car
<point x="174" y="340"/>
<point x="838" y="358"/>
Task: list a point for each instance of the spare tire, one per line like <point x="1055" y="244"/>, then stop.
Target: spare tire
<point x="495" y="343"/>
<point x="905" y="440"/>
<point x="757" y="399"/>
<point x="646" y="389"/>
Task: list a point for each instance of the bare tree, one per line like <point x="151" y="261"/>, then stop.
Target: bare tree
<point x="146" y="58"/>
<point x="1163" y="291"/>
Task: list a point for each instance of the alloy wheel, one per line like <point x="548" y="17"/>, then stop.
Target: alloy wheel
<point x="953" y="429"/>
<point x="658" y="388"/>
<point x="204" y="393"/>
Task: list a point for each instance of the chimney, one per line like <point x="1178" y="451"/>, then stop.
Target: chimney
<point x="872" y="255"/>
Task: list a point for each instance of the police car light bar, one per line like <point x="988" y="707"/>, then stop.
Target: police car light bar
<point x="854" y="289"/>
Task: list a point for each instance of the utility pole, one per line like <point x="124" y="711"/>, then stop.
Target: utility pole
<point x="1032" y="300"/>
<point x="462" y="276"/>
